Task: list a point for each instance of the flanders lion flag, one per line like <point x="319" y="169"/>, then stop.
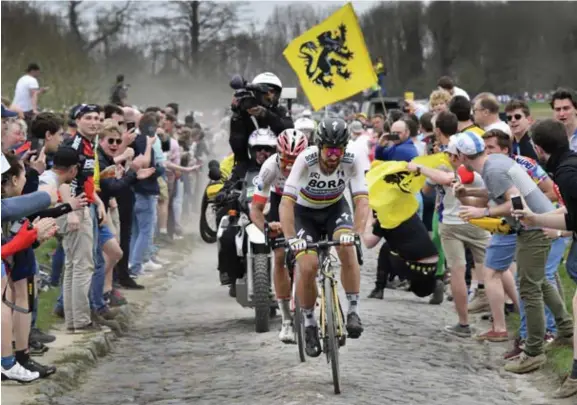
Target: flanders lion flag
<point x="392" y="188"/>
<point x="331" y="59"/>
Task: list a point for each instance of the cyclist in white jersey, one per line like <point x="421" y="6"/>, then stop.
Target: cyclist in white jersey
<point x="313" y="205"/>
<point x="271" y="179"/>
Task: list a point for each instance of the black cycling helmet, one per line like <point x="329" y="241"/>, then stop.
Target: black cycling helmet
<point x="332" y="132"/>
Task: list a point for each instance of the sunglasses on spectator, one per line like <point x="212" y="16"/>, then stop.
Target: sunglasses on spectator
<point x="112" y="141"/>
<point x="263" y="148"/>
<point x="337" y="151"/>
<point x="516" y="116"/>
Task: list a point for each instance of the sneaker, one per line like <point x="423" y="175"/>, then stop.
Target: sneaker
<point x="43" y="371"/>
<point x="160" y="261"/>
<point x="377" y="293"/>
<point x="178" y="237"/>
<point x="549" y="338"/>
<point x="354" y="325"/>
<point x="107" y="313"/>
<point x="37" y="348"/>
<point x="287" y="332"/>
<point x="459" y="330"/>
<point x="566" y="390"/>
<point x="92" y="327"/>
<point x="438" y="294"/>
<point x="232" y="290"/>
<point x="39" y="336"/>
<point x="224" y="278"/>
<point x="525" y="363"/>
<point x="19" y="374"/>
<point x="480" y="303"/>
<point x="116" y="299"/>
<point x="151" y="266"/>
<point x="561" y="341"/>
<point x="516" y="351"/>
<point x="493" y="336"/>
<point x="312" y="341"/>
<point x="130" y="284"/>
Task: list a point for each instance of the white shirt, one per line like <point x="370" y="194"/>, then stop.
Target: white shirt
<point x="270" y="176"/>
<point x="457" y="91"/>
<point x="499" y="125"/>
<point x="361" y="145"/>
<point x="22" y="96"/>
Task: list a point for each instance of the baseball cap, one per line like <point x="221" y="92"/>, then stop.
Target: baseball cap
<point x="356" y="127"/>
<point x="469" y="143"/>
<point x="5" y="164"/>
<point x="6" y="113"/>
<point x="452" y="146"/>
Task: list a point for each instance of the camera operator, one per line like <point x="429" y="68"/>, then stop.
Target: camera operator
<point x="257" y="101"/>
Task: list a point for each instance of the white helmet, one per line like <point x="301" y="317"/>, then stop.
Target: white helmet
<point x="270" y="79"/>
<point x="262" y="137"/>
<point x="306" y="114"/>
<point x="306" y="125"/>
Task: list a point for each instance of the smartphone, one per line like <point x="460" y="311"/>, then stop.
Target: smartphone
<point x="130" y="125"/>
<point x="517" y="202"/>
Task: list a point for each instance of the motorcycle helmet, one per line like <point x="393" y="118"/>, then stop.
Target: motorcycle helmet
<point x="262" y="138"/>
<point x="306" y="125"/>
<point x="267" y="82"/>
<point x="332" y="132"/>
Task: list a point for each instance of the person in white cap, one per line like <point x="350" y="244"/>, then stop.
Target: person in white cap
<point x="506" y="182"/>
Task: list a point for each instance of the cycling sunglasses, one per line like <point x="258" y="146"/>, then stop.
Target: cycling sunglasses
<point x="330" y="151"/>
<point x="516" y="116"/>
<point x="263" y="148"/>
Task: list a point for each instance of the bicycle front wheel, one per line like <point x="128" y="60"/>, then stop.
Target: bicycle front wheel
<point x="299" y="329"/>
<point x="331" y="337"/>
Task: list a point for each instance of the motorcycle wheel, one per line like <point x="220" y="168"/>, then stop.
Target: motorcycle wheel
<point x="207" y="233"/>
<point x="261" y="292"/>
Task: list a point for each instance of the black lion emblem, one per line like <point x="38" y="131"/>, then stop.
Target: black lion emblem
<point x="401" y="179"/>
<point x="328" y="51"/>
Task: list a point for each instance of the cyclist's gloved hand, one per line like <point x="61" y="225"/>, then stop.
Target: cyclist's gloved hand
<point x="347" y="239"/>
<point x="297" y="245"/>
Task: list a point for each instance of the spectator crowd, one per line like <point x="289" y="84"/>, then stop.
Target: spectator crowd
<point x="112" y="184"/>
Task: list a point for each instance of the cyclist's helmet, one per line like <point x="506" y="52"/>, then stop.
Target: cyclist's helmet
<point x="332" y="132"/>
<point x="266" y="82"/>
<point x="259" y="139"/>
<point x="291" y="142"/>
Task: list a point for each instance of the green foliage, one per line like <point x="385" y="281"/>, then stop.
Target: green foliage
<point x="67" y="70"/>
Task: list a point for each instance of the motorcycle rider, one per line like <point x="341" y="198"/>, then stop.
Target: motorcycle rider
<point x="273" y="173"/>
<point x="267" y="114"/>
<point x="261" y="144"/>
<point x="307" y="126"/>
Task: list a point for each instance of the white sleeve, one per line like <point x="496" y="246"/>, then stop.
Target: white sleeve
<point x="358" y="182"/>
<point x="266" y="177"/>
<point x="292" y="184"/>
<point x="33" y="84"/>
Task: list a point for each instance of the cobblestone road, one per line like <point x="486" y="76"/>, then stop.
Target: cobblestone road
<point x="195" y="345"/>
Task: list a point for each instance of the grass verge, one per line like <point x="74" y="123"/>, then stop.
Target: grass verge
<point x="46" y="299"/>
<point x="559" y="360"/>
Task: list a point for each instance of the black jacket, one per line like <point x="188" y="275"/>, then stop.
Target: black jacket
<point x="563" y="168"/>
<point x="241" y="126"/>
<point x="112" y="187"/>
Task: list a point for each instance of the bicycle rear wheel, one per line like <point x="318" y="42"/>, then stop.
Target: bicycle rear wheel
<point x="332" y="340"/>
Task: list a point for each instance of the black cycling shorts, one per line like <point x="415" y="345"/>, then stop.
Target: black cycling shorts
<point x="410" y="239"/>
<point x="312" y="224"/>
<point x="274" y="200"/>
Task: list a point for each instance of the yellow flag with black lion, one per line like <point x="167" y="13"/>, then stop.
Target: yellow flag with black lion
<point x="331" y="59"/>
<point x="392" y="188"/>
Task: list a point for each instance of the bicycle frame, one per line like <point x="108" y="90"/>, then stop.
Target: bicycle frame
<point x="326" y="272"/>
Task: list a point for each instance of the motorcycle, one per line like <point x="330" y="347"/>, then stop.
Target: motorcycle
<point x="254" y="289"/>
<point x="209" y="209"/>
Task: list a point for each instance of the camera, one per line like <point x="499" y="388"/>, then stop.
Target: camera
<point x="245" y="93"/>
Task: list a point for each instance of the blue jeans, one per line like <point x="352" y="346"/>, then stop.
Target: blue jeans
<point x="143" y="225"/>
<point x="97" y="285"/>
<point x="571" y="263"/>
<point x="553" y="260"/>
<point x="57" y="265"/>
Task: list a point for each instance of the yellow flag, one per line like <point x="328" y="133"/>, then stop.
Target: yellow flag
<point x="331" y="59"/>
<point x="392" y="188"/>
